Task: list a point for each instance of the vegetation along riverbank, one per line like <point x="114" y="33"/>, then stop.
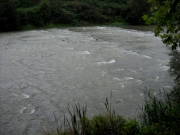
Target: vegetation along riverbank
<point x="31" y="14"/>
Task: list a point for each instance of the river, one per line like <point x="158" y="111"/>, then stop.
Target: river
<point x="42" y="71"/>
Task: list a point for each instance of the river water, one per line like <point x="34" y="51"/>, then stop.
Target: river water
<point x="41" y="71"/>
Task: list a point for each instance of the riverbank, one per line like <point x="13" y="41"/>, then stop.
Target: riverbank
<point x="51" y="26"/>
<point x="27" y="14"/>
<point x="159" y="116"/>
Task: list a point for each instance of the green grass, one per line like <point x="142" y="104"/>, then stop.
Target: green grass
<point x="159" y="116"/>
<point x="118" y="24"/>
<point x="28" y="27"/>
<point x="109" y="124"/>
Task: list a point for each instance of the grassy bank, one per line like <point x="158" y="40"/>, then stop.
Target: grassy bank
<point x="158" y="116"/>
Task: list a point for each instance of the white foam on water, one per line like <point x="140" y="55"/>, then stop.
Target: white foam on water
<point x="32" y="111"/>
<point x="169" y="87"/>
<point x="135" y="53"/>
<point x="44" y="31"/>
<point x="119" y="69"/>
<point x="130" y="52"/>
<point x="24" y="108"/>
<point x="122" y="85"/>
<point x="62" y="36"/>
<point x="41" y="72"/>
<point x="145" y="56"/>
<point x="142" y="34"/>
<point x="101" y="28"/>
<point x="105" y="62"/>
<point x="103" y="73"/>
<point x="112" y="61"/>
<point x="83" y="41"/>
<point x="25" y="95"/>
<point x="157" y="77"/>
<point x="139" y="33"/>
<point x="70" y="48"/>
<point x="66" y="30"/>
<point x="129" y="78"/>
<point x="125" y="79"/>
<point x="139" y="81"/>
<point x="165" y="67"/>
<point x="116" y="79"/>
<point x="85" y="52"/>
<point x="163" y="62"/>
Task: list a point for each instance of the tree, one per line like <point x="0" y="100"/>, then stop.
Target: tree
<point x="136" y="9"/>
<point x="166" y="16"/>
<point x="8" y="15"/>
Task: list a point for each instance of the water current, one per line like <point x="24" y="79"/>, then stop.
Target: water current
<point x="42" y="71"/>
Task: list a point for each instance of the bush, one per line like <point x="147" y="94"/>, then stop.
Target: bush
<point x="8" y="15"/>
<point x="35" y="16"/>
<point x="175" y="65"/>
<point x="162" y="115"/>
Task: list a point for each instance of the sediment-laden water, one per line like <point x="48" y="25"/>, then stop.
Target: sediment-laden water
<point x="41" y="71"/>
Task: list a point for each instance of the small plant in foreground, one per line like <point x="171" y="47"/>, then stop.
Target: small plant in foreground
<point x="161" y="115"/>
<point x="108" y="124"/>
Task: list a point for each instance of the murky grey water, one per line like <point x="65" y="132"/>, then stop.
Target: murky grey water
<point x="42" y="71"/>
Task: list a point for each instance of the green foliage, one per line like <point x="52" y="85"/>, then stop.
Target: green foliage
<point x="117" y="24"/>
<point x="35" y="16"/>
<point x="161" y="114"/>
<point x="175" y="65"/>
<point x="28" y="3"/>
<point x="166" y="15"/>
<point x="136" y="9"/>
<point x="8" y="15"/>
<point x="44" y="11"/>
<point x="108" y="124"/>
<point x="38" y="13"/>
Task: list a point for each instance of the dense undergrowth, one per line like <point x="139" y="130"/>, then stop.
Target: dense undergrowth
<point x="160" y="114"/>
<point x="30" y="14"/>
